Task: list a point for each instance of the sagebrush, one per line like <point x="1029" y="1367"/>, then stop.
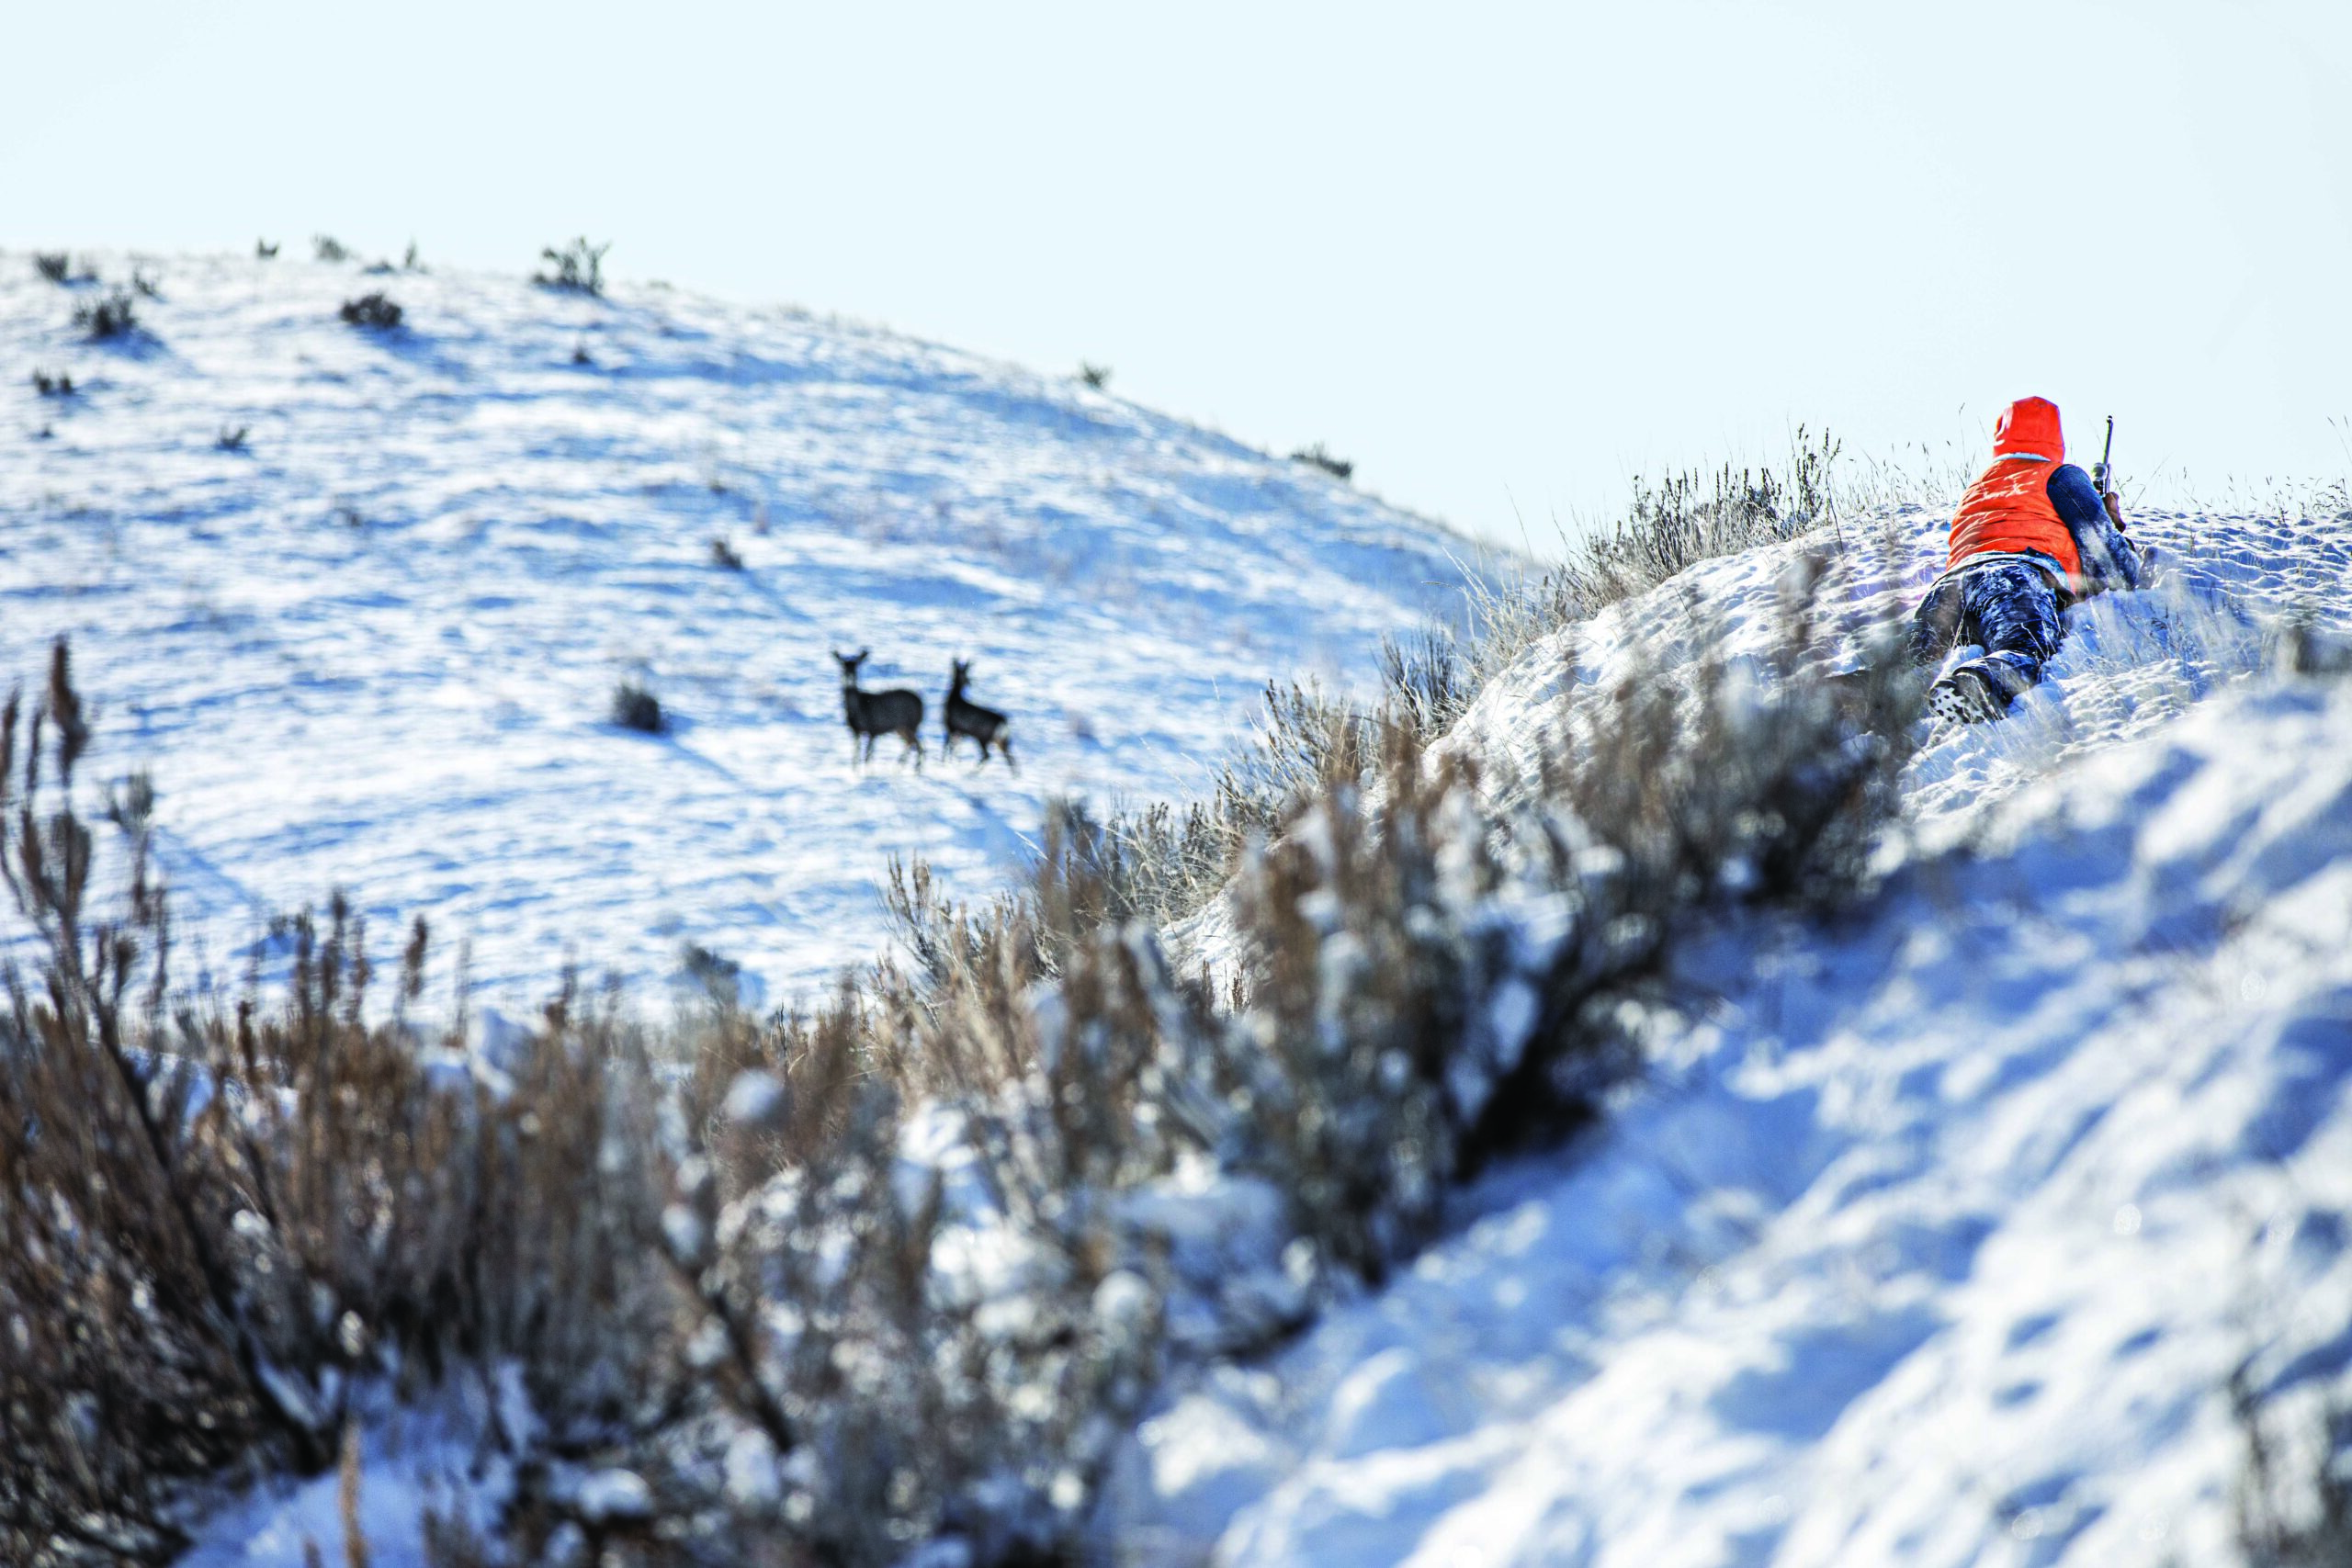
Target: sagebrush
<point x="577" y="266"/>
<point x="1316" y="455"/>
<point x="113" y="315"/>
<point x="376" y="311"/>
<point x="636" y="707"/>
<point x="714" y="1254"/>
<point x="1171" y="860"/>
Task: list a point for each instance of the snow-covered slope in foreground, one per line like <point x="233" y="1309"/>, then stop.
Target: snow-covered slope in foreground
<point x="376" y="647"/>
<point x="1936" y="1235"/>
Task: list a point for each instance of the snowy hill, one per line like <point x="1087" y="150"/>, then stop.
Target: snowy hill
<point x="1932" y="1235"/>
<point x="1936" y="1235"/>
<point x="373" y="643"/>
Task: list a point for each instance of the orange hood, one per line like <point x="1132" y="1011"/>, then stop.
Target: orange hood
<point x="2029" y="424"/>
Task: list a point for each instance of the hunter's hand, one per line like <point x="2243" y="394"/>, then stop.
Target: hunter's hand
<point x="2115" y="510"/>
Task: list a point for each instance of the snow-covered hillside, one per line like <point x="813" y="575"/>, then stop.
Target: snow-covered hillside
<point x="377" y="647"/>
<point x="1931" y="1236"/>
<point x="1935" y="1236"/>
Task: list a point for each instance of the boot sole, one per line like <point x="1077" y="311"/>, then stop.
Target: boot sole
<point x="1949" y="702"/>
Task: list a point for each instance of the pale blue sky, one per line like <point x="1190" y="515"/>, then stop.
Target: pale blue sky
<point x="1504" y="256"/>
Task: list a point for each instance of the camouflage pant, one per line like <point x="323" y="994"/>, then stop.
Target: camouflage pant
<point x="2010" y="611"/>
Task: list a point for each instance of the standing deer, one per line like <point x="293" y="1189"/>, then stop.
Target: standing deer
<point x="986" y="726"/>
<point x="874" y="714"/>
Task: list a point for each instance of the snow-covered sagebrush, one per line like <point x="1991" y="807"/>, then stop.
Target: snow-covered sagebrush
<point x="1938" y="1234"/>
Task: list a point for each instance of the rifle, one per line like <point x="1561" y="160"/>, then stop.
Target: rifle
<point x="2103" y="471"/>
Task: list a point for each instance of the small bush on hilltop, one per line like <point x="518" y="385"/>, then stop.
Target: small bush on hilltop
<point x="327" y="248"/>
<point x="58" y="267"/>
<point x="48" y="386"/>
<point x="723" y="555"/>
<point x="114" y="316"/>
<point x="636" y="707"/>
<point x="1316" y="456"/>
<point x="577" y="266"/>
<point x="232" y="438"/>
<point x="375" y="311"/>
<point x="1095" y="376"/>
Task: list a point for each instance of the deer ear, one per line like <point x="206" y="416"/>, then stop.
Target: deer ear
<point x="861" y="653"/>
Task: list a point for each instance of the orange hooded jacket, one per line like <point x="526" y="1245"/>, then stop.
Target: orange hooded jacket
<point x="2008" y="508"/>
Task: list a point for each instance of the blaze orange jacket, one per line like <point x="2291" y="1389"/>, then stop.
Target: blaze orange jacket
<point x="2008" y="509"/>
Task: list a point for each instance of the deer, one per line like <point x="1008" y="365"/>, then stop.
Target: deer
<point x="875" y="714"/>
<point x="986" y="726"/>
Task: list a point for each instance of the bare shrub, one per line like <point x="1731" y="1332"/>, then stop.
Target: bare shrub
<point x="723" y="555"/>
<point x="114" y="315"/>
<point x="577" y="266"/>
<point x="144" y="286"/>
<point x="1095" y="376"/>
<point x="1424" y="679"/>
<point x="265" y="250"/>
<point x="376" y="311"/>
<point x="255" y="1212"/>
<point x="1317" y="456"/>
<point x="231" y="438"/>
<point x="1161" y="862"/>
<point x="327" y="248"/>
<point x="48" y="386"/>
<point x="259" y="1211"/>
<point x="56" y="267"/>
<point x="636" y="707"/>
